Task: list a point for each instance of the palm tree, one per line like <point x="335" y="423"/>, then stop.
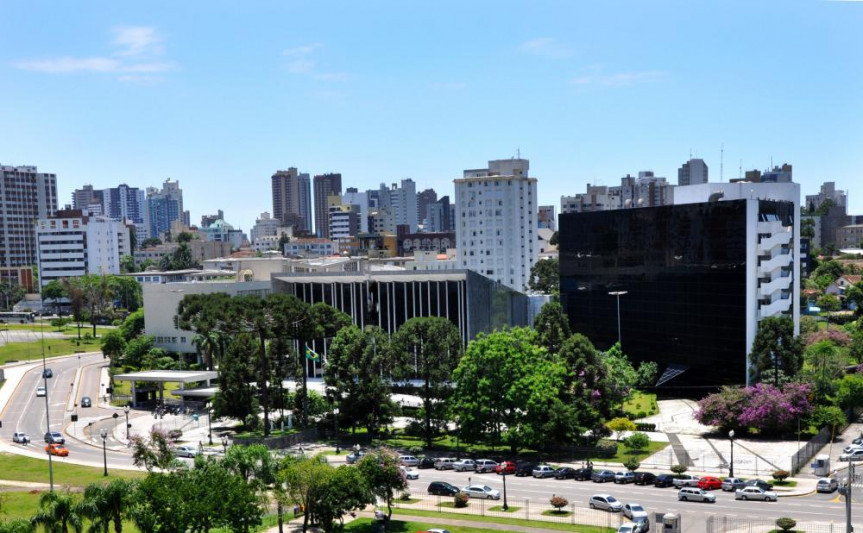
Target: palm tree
<point x="107" y="504"/>
<point x="75" y="293"/>
<point x="57" y="513"/>
<point x="210" y="345"/>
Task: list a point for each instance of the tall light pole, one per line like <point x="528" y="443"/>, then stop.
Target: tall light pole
<point x="210" y="423"/>
<point x="731" y="464"/>
<point x="225" y="444"/>
<point x="47" y="414"/>
<point x="505" y="504"/>
<point x="126" y="411"/>
<point x="104" y="434"/>
<point x="618" y="294"/>
<point x="336" y="427"/>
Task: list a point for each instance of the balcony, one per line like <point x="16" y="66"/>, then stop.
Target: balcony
<point x="771" y="265"/>
<point x="774" y="308"/>
<point x="780" y="283"/>
<point x="777" y="239"/>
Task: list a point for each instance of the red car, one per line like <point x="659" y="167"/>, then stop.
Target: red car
<point x="709" y="483"/>
<point x="506" y="467"/>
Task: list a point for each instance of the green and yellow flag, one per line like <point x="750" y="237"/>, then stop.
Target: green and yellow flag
<point x="311" y="354"/>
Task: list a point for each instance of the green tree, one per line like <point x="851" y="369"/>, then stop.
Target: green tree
<point x="127" y="290"/>
<point x="831" y="268"/>
<point x="210" y="346"/>
<point x="108" y="504"/>
<point x="775" y="346"/>
<point x="53" y="291"/>
<point x="345" y="490"/>
<point x="383" y="476"/>
<point x="237" y="397"/>
<point x="824" y="364"/>
<point x="113" y="345"/>
<point x="136" y="350"/>
<point x="10" y="293"/>
<point x="826" y="416"/>
<point x="829" y="302"/>
<point x="152" y="241"/>
<point x="127" y="264"/>
<point x="74" y="290"/>
<point x="850" y="391"/>
<point x="854" y="295"/>
<point x="184" y="236"/>
<point x="621" y="378"/>
<point x="18" y="525"/>
<point x="552" y="325"/>
<point x="235" y="505"/>
<point x="153" y="452"/>
<point x="161" y="503"/>
<point x="306" y="482"/>
<point x="58" y="512"/>
<point x="97" y="294"/>
<point x="545" y="276"/>
<point x="133" y="325"/>
<point x="427" y="348"/>
<point x="647" y="373"/>
<point x="620" y="425"/>
<point x="587" y="386"/>
<point x="312" y="328"/>
<point x="637" y="441"/>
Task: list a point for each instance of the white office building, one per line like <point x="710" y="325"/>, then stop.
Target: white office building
<point x="496" y="221"/>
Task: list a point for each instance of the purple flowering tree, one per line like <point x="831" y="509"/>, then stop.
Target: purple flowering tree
<point x="772" y="411"/>
<point x="723" y="409"/>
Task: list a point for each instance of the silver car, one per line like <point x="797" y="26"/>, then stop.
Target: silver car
<point x="693" y="494"/>
<point x="606" y="502"/>
<point x="730" y="484"/>
<point x="827" y="484"/>
<point x="465" y="465"/>
<point x="635" y="512"/>
<point x="755" y="493"/>
<point x="481" y="491"/>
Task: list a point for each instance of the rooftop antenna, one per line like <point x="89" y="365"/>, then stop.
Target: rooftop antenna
<point x="518" y="153"/>
<point x="740" y="170"/>
<point x="721" y="162"/>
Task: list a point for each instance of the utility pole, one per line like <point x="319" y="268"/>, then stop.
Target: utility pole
<point x="848" y="527"/>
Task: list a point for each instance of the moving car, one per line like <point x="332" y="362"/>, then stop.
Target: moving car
<point x="186" y="451"/>
<point x="86" y="401"/>
<point x="485" y="465"/>
<point x="524" y="469"/>
<point x="694" y="494"/>
<point x="543" y="471"/>
<point x="47" y="373"/>
<point x="635" y="512"/>
<point x="624" y="477"/>
<point x="57" y="449"/>
<point x="856" y="455"/>
<point x="464" y="465"/>
<point x="410" y="473"/>
<point x="709" y="483"/>
<point x="21" y="438"/>
<point x="644" y="478"/>
<point x="408" y="460"/>
<point x="755" y="493"/>
<point x="41" y="391"/>
<point x="732" y="483"/>
<point x="444" y="463"/>
<point x="602" y="476"/>
<point x="54" y="437"/>
<point x="827" y="484"/>
<point x="686" y="480"/>
<point x="353" y="457"/>
<point x="442" y="488"/>
<point x="583" y="474"/>
<point x="481" y="492"/>
<point x="564" y="473"/>
<point x="763" y="485"/>
<point x="664" y="480"/>
<point x="605" y="502"/>
<point x="506" y="467"/>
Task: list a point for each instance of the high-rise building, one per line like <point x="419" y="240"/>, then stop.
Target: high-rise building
<point x="403" y="204"/>
<point x="127" y="204"/>
<point x="360" y="199"/>
<point x="595" y="199"/>
<point x="325" y="186"/>
<point x="209" y="220"/>
<point x="26" y="196"/>
<point x="546" y="218"/>
<point x="828" y="192"/>
<point x="89" y="199"/>
<point x="645" y="191"/>
<point x="693" y="172"/>
<point x="439" y="219"/>
<point x="496" y="221"/>
<point x="73" y="244"/>
<point x="424" y="199"/>
<point x="164" y="207"/>
<point x="344" y="221"/>
<point x="291" y="202"/>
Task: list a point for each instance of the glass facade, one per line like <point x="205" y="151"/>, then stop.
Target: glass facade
<point x="683" y="268"/>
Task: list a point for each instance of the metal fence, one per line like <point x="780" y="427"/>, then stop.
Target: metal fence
<point x="712" y="463"/>
<point x="807" y="452"/>
<point x="523" y="509"/>
<point x="730" y="524"/>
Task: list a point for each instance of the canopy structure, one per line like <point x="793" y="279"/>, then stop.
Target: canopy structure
<point x="172" y="376"/>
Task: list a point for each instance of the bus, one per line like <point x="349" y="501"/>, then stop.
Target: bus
<point x="8" y="317"/>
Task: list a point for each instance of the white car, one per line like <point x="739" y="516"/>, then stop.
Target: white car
<point x="606" y="502"/>
<point x="856" y="455"/>
<point x="41" y="391"/>
<point x="693" y="494"/>
<point x="485" y="465"/>
<point x="755" y="493"/>
<point x="408" y="460"/>
<point x="464" y="465"/>
<point x="635" y="512"/>
<point x="186" y="451"/>
<point x="851" y="448"/>
<point x="410" y="473"/>
<point x="482" y="492"/>
<point x="632" y="527"/>
<point x="827" y="484"/>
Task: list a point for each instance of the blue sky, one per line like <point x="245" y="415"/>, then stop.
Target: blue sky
<point x="219" y="95"/>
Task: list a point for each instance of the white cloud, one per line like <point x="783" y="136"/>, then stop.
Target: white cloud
<point x="620" y="78"/>
<point x="300" y="61"/>
<point x="139" y="50"/>
<point x="545" y="47"/>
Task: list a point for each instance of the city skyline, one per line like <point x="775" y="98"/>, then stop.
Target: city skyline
<point x="220" y="97"/>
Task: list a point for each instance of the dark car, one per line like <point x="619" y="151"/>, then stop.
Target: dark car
<point x="524" y="469"/>
<point x="47" y="373"/>
<point x="54" y="437"/>
<point x="442" y="488"/>
<point x="763" y="485"/>
<point x="583" y="474"/>
<point x="564" y="473"/>
<point x="86" y="401"/>
<point x="664" y="480"/>
<point x="426" y="462"/>
<point x="644" y="478"/>
<point x="602" y="476"/>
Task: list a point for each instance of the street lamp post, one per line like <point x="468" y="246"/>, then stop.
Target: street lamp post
<point x="618" y="294"/>
<point x="104" y="434"/>
<point x="336" y="427"/>
<point x="505" y="504"/>
<point x="210" y="424"/>
<point x="126" y="412"/>
<point x="457" y="431"/>
<point x="731" y="464"/>
<point x="225" y="444"/>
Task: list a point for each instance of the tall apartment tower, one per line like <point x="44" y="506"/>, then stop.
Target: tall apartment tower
<point x="26" y="196"/>
<point x="291" y="202"/>
<point x="127" y="204"/>
<point x="693" y="172"/>
<point x="438" y="219"/>
<point x="424" y="199"/>
<point x="325" y="186"/>
<point x="89" y="199"/>
<point x="496" y="221"/>
<point x="164" y="207"/>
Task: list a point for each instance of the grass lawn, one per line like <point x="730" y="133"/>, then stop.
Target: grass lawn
<point x="786" y="483"/>
<point x="28" y="351"/>
<point x="624" y="453"/>
<point x="21" y="468"/>
<point x="641" y="404"/>
<point x="518" y="522"/>
<point x="367" y="525"/>
<point x="499" y="508"/>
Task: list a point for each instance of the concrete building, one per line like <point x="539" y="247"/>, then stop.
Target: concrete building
<point x="26" y="196"/>
<point x="693" y="172"/>
<point x="496" y="221"/>
<point x="850" y="236"/>
<point x="220" y="231"/>
<point x="344" y="220"/>
<point x="326" y="185"/>
<point x="292" y="198"/>
<point x="424" y="199"/>
<point x="596" y="198"/>
<point x="438" y="242"/>
<point x="89" y="200"/>
<point x="828" y="192"/>
<point x="72" y="244"/>
<point x="440" y="216"/>
<point x="645" y="191"/>
<point x="779" y="174"/>
<point x="360" y="199"/>
<point x="546" y="217"/>
<point x="309" y="248"/>
<point x="164" y="207"/>
<point x="127" y="204"/>
<point x="400" y="202"/>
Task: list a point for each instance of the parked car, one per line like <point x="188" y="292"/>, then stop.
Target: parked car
<point x="442" y="488"/>
<point x="353" y="457"/>
<point x="57" y="449"/>
<point x="465" y="465"/>
<point x="761" y="484"/>
<point x="485" y="465"/>
<point x="54" y="437"/>
<point x="410" y="473"/>
<point x="602" y="476"/>
<point x="856" y="455"/>
<point x="664" y="480"/>
<point x="506" y="467"/>
<point x="605" y="502"/>
<point x="858" y="440"/>
<point x="543" y="471"/>
<point x="851" y="448"/>
<point x="827" y="484"/>
<point x="426" y="462"/>
<point x="624" y="477"/>
<point x="632" y="527"/>
<point x="694" y="494"/>
<point x="21" y="438"/>
<point x="481" y="492"/>
<point x="755" y="493"/>
<point x="408" y="460"/>
<point x="186" y="451"/>
<point x="583" y="474"/>
<point x="644" y="478"/>
<point x="47" y="373"/>
<point x="564" y="473"/>
<point x="635" y="512"/>
<point x="709" y="483"/>
<point x="524" y="469"/>
<point x="685" y="480"/>
<point x="41" y="391"/>
<point x="86" y="401"/>
<point x="444" y="463"/>
<point x="730" y="484"/>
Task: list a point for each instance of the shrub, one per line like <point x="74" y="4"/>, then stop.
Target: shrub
<point x="460" y="500"/>
<point x="679" y="469"/>
<point x="780" y="475"/>
<point x="175" y="434"/>
<point x="415" y="450"/>
<point x="644" y="426"/>
<point x="641" y="414"/>
<point x="632" y="464"/>
<point x="619" y="425"/>
<point x="414" y="429"/>
<point x="606" y="449"/>
<point x="405" y="496"/>
<point x="637" y="441"/>
<point x="785" y="523"/>
<point x="558" y="502"/>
